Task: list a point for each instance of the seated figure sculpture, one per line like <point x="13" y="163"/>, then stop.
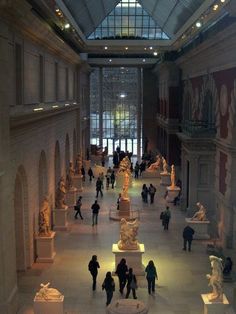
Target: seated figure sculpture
<point x="60" y="195"/>
<point x="215" y="279"/>
<point x="154" y="166"/>
<point x="128" y="234"/>
<point x="44" y="218"/>
<point x="46" y="293"/>
<point x="200" y="215"/>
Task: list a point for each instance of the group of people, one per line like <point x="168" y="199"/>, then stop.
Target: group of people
<point x="126" y="278"/>
<point x="151" y="191"/>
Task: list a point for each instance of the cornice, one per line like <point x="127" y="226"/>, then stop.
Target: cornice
<point x="221" y="145"/>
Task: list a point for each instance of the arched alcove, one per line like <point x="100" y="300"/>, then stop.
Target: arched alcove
<point x="67" y="153"/>
<point x="57" y="164"/>
<point x="43" y="177"/>
<point x="22" y="236"/>
<point x="74" y="147"/>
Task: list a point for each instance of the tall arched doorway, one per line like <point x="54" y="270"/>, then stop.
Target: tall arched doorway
<point x="22" y="237"/>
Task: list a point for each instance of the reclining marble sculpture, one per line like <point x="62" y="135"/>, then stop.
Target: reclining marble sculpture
<point x="128" y="235"/>
<point x="200" y="215"/>
<point x="215" y="279"/>
<point x="154" y="166"/>
<point x="46" y="293"/>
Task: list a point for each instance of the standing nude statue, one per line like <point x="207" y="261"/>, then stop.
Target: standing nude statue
<point x="61" y="194"/>
<point x="215" y="279"/>
<point x="44" y="218"/>
<point x="172" y="176"/>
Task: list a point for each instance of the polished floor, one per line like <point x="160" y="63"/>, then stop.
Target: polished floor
<point x="182" y="275"/>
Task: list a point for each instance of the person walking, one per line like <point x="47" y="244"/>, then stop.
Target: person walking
<point x="152" y="190"/>
<point x="83" y="173"/>
<point x="90" y="173"/>
<point x="188" y="233"/>
<point x="136" y="170"/>
<point x="144" y="193"/>
<point x="121" y="272"/>
<point x="151" y="276"/>
<point x="131" y="284"/>
<point x="93" y="268"/>
<point x="95" y="209"/>
<point x="109" y="286"/>
<point x="113" y="178"/>
<point x="99" y="187"/>
<point x="166" y="215"/>
<point x="78" y="208"/>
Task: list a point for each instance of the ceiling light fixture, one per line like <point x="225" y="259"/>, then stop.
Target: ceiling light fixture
<point x="145" y="48"/>
<point x="155" y="53"/>
<point x="57" y="10"/>
<point x="67" y="25"/>
<point x="110" y="60"/>
<point x="105" y="47"/>
<point x="126" y="48"/>
<point x="38" y="109"/>
<point x="198" y="24"/>
<point x="222" y="1"/>
<point x="215" y="7"/>
<point x="144" y="60"/>
<point x="150" y="48"/>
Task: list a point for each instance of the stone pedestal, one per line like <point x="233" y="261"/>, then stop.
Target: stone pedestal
<point x="215" y="307"/>
<point x="127" y="306"/>
<point x="71" y="196"/>
<point x="200" y="228"/>
<point x="172" y="193"/>
<point x="165" y="178"/>
<point x="151" y="173"/>
<point x="60" y="219"/>
<point x="45" y="248"/>
<point x="77" y="182"/>
<point x="133" y="258"/>
<point x="124" y="208"/>
<point x="49" y="306"/>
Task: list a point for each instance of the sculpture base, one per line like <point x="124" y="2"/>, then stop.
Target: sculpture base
<point x="151" y="173"/>
<point x="133" y="258"/>
<point x="49" y="306"/>
<point x="127" y="306"/>
<point x="215" y="307"/>
<point x="165" y="178"/>
<point x="71" y="197"/>
<point x="200" y="228"/>
<point x="172" y="193"/>
<point x="77" y="182"/>
<point x="60" y="219"/>
<point x="45" y="249"/>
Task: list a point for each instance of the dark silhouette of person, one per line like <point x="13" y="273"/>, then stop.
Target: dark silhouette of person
<point x="93" y="268"/>
<point x="78" y="208"/>
<point x="131" y="284"/>
<point x="99" y="187"/>
<point x="188" y="233"/>
<point x="228" y="266"/>
<point x="151" y="276"/>
<point x="95" y="209"/>
<point x="121" y="272"/>
<point x="90" y="173"/>
<point x="109" y="286"/>
<point x="166" y="218"/>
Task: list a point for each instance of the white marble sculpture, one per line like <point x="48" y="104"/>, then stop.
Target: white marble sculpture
<point x="44" y="218"/>
<point x="200" y="215"/>
<point x="70" y="177"/>
<point x="46" y="293"/>
<point x="125" y="169"/>
<point x="78" y="165"/>
<point x="154" y="166"/>
<point x="60" y="195"/>
<point x="172" y="177"/>
<point x="165" y="166"/>
<point x="128" y="235"/>
<point x="215" y="279"/>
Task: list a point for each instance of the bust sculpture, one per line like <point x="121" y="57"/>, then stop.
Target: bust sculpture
<point x="125" y="169"/>
<point x="215" y="279"/>
<point x="200" y="215"/>
<point x="128" y="235"/>
<point x="44" y="218"/>
<point x="46" y="293"/>
<point x="154" y="166"/>
<point x="60" y="194"/>
<point x="165" y="166"/>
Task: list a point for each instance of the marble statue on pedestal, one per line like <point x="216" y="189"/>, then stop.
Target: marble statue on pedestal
<point x="128" y="235"/>
<point x="60" y="195"/>
<point x="44" y="218"/>
<point x="172" y="177"/>
<point x="154" y="166"/>
<point x="200" y="215"/>
<point x="125" y="169"/>
<point x="78" y="165"/>
<point x="69" y="177"/>
<point x="165" y="166"/>
<point x="46" y="293"/>
<point x="215" y="279"/>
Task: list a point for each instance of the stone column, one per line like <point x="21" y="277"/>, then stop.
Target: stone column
<point x="139" y="113"/>
<point x="8" y="281"/>
<point x="193" y="177"/>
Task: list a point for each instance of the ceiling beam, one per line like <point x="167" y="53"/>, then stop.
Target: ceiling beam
<point x="89" y="14"/>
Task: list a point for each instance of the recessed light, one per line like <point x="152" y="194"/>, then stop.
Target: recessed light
<point x="67" y="25"/>
<point x="150" y="48"/>
<point x="144" y="60"/>
<point x="155" y="53"/>
<point x="66" y="105"/>
<point x="57" y="10"/>
<point x="38" y="109"/>
<point x="222" y="1"/>
<point x="110" y="60"/>
<point x="105" y="47"/>
<point x="55" y="106"/>
<point x="145" y="48"/>
<point x="198" y="24"/>
<point x="215" y="7"/>
<point x="126" y="48"/>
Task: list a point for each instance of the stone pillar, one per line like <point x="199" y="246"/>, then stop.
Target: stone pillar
<point x="193" y="177"/>
<point x="8" y="280"/>
<point x="139" y="114"/>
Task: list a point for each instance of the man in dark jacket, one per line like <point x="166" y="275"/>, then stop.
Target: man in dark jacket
<point x="188" y="237"/>
<point x="95" y="208"/>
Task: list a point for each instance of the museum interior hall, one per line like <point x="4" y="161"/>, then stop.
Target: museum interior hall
<point x="117" y="140"/>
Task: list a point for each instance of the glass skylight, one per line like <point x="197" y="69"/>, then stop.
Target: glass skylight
<point x="128" y="20"/>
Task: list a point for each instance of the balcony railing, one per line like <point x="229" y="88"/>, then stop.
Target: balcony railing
<point x="198" y="128"/>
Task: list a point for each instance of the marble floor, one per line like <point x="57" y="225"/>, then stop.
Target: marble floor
<point x="182" y="275"/>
